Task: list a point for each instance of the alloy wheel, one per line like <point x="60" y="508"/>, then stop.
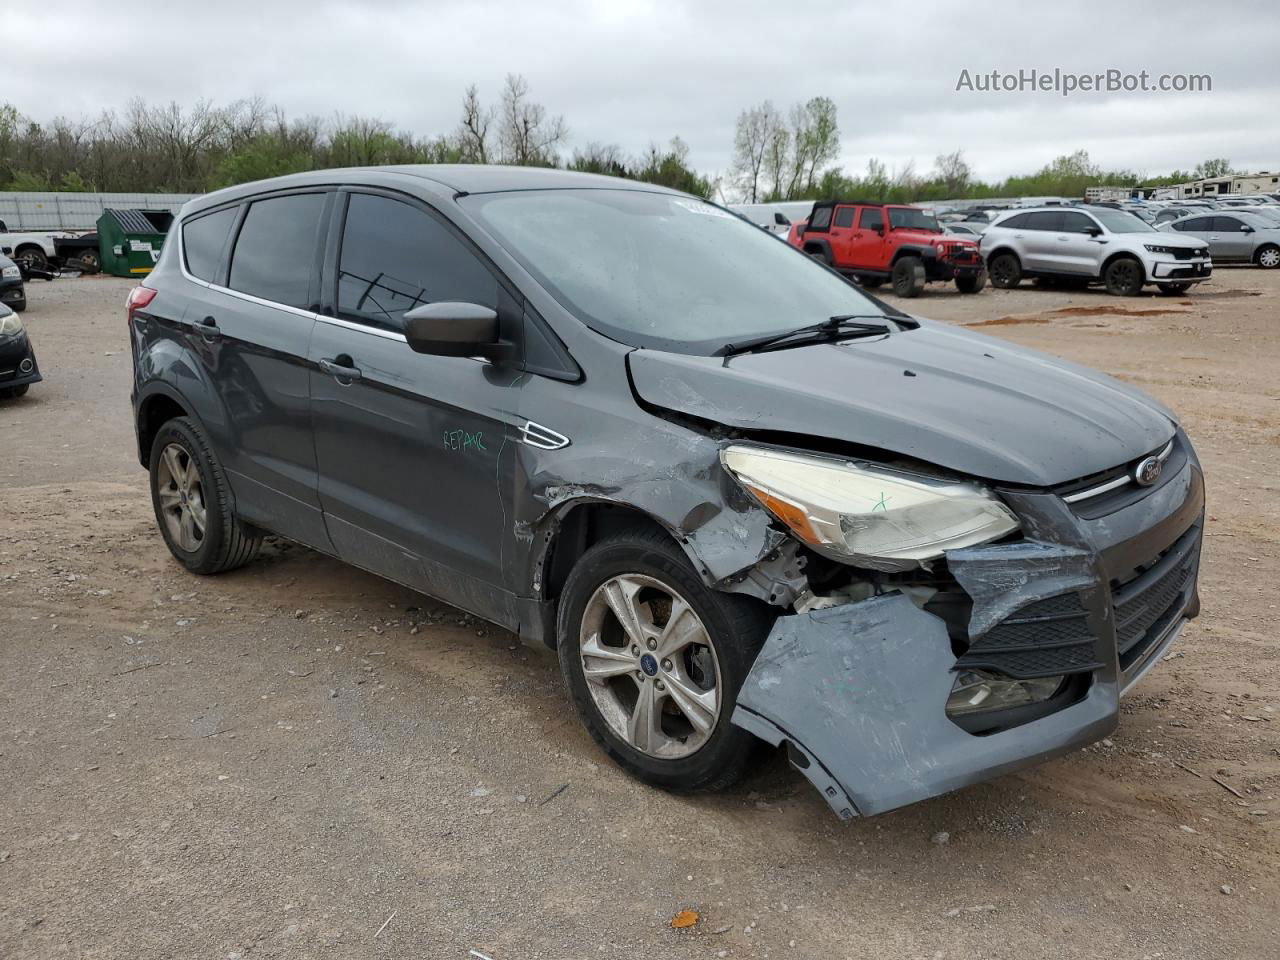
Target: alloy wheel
<point x="650" y="666"/>
<point x="181" y="496"/>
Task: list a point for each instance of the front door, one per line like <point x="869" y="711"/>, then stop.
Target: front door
<point x="870" y="248"/>
<point x="1229" y="240"/>
<point x="415" y="465"/>
<point x="1079" y="252"/>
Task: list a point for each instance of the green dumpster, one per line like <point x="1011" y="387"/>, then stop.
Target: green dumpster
<point x="130" y="240"/>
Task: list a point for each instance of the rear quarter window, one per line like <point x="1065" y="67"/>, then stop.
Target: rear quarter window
<point x="275" y="253"/>
<point x="203" y="240"/>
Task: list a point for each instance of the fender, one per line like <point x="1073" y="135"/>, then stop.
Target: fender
<point x="821" y="243"/>
<point x="922" y="250"/>
<point x="165" y="367"/>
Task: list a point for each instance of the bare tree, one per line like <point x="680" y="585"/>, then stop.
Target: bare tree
<point x="954" y="172"/>
<point x="473" y="131"/>
<point x="754" y="136"/>
<point x="775" y="160"/>
<point x="527" y="135"/>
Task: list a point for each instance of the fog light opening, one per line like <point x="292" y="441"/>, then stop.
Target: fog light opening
<point x="980" y="691"/>
<point x="26" y="365"/>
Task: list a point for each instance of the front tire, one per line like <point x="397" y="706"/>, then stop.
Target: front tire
<point x="33" y="257"/>
<point x="1124" y="277"/>
<point x="13" y="393"/>
<point x="653" y="660"/>
<point x="908" y="277"/>
<point x="973" y="283"/>
<point x="192" y="502"/>
<point x="1268" y="257"/>
<point x="1005" y="271"/>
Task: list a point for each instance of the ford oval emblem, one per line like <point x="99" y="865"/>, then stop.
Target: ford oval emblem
<point x="1148" y="471"/>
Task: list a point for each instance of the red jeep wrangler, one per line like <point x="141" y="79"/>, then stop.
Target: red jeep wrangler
<point x="875" y="242"/>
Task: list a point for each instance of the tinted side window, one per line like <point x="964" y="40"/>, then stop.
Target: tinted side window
<point x="821" y="219"/>
<point x="396" y="257"/>
<point x="1195" y="223"/>
<point x="844" y="217"/>
<point x="203" y="240"/>
<point x="1017" y="222"/>
<point x="871" y="218"/>
<point x="1227" y="225"/>
<point x="1073" y="222"/>
<point x="1044" y="221"/>
<point x="275" y="254"/>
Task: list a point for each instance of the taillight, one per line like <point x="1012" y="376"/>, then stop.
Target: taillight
<point x="139" y="297"/>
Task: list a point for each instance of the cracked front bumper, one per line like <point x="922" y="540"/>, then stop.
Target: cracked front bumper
<point x="858" y="692"/>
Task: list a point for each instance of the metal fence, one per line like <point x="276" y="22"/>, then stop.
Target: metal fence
<point x="76" y="211"/>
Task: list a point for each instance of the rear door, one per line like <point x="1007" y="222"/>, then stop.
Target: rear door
<point x="415" y="469"/>
<point x="1040" y="242"/>
<point x="841" y="233"/>
<point x="251" y="332"/>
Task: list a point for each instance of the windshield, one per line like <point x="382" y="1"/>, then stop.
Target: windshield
<point x="653" y="269"/>
<point x="912" y="217"/>
<point x="1117" y="221"/>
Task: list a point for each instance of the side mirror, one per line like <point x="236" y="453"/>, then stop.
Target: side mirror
<point x="1093" y="231"/>
<point x="1246" y="229"/>
<point x="453" y="328"/>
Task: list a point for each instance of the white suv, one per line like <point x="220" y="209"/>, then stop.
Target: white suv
<point x="1092" y="245"/>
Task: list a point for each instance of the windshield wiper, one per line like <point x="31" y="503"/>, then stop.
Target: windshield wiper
<point x="844" y="326"/>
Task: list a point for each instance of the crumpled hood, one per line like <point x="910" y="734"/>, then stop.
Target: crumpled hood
<point x="946" y="396"/>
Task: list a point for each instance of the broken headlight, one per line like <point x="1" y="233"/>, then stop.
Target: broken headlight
<point x="868" y="515"/>
<point x="977" y="691"/>
<point x="10" y="324"/>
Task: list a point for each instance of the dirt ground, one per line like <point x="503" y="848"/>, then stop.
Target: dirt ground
<point x="300" y="760"/>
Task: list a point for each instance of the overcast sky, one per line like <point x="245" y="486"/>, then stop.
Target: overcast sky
<point x="633" y="72"/>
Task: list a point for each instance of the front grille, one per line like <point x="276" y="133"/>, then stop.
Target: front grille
<point x="959" y="254"/>
<point x="1040" y="639"/>
<point x="1052" y="636"/>
<point x="1181" y="254"/>
<point x="1146" y="605"/>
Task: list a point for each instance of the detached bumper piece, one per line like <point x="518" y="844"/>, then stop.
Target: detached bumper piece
<point x="857" y="694"/>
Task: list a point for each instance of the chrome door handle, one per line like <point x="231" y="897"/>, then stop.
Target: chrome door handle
<point x="340" y="367"/>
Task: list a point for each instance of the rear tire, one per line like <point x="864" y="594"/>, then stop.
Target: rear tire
<point x="192" y="502"/>
<point x="1005" y="271"/>
<point x="644" y="571"/>
<point x="908" y="277"/>
<point x="1174" y="289"/>
<point x="90" y="261"/>
<point x="1124" y="277"/>
<point x="1268" y="257"/>
<point x="972" y="284"/>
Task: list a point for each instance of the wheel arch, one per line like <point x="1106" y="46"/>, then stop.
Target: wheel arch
<point x="1000" y="251"/>
<point x="568" y="531"/>
<point x="913" y="250"/>
<point x="158" y="403"/>
<point x="1123" y="255"/>
<point x="1261" y="248"/>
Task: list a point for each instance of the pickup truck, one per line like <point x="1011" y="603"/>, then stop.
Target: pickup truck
<point x="37" y="251"/>
<point x="875" y="242"/>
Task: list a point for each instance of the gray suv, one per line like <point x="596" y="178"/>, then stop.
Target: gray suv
<point x="1235" y="237"/>
<point x="1093" y="245"/>
<point x="744" y="500"/>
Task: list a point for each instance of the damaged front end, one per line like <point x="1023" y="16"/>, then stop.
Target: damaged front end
<point x="888" y="686"/>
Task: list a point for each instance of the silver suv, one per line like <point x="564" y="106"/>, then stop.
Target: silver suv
<point x="1094" y="245"/>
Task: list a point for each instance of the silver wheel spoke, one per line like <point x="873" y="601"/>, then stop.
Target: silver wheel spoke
<point x="620" y="594"/>
<point x="681" y="629"/>
<point x="700" y="707"/>
<point x="169" y="499"/>
<point x="599" y="662"/>
<point x="642" y="728"/>
<point x="186" y="529"/>
<point x="173" y="462"/>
